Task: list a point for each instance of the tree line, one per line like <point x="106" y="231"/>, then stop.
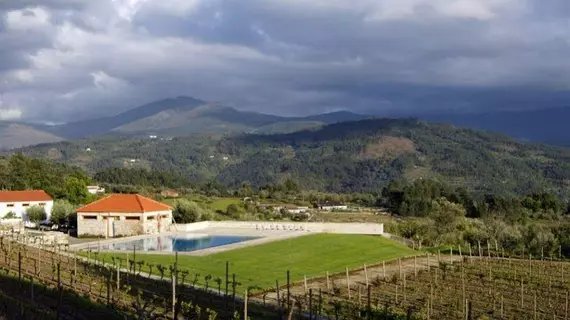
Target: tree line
<point x="437" y="215"/>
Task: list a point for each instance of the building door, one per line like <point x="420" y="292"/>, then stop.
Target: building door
<point x="110" y="227"/>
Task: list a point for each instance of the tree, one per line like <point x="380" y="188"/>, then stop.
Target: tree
<point x="233" y="211"/>
<point x="446" y="215"/>
<point x="76" y="190"/>
<point x="61" y="210"/>
<point x="186" y="211"/>
<point x="36" y="214"/>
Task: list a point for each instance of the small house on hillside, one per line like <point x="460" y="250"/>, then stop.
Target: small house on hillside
<point x="123" y="215"/>
<point x="294" y="209"/>
<point x="169" y="193"/>
<point x="330" y="206"/>
<point x="95" y="190"/>
<point x="18" y="202"/>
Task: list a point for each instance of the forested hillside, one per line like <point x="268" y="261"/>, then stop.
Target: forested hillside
<point x="58" y="180"/>
<point x="345" y="157"/>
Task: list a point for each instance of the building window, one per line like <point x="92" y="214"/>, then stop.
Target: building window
<point x="42" y="204"/>
<point x="150" y="217"/>
<point x="10" y="205"/>
<point x="25" y="205"/>
<point x="89" y="217"/>
<point x="133" y="218"/>
<point x="165" y="216"/>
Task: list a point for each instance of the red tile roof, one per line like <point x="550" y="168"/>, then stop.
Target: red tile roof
<point x="23" y="196"/>
<point x="125" y="203"/>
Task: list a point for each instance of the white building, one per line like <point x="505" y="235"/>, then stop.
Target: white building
<point x="19" y="201"/>
<point x="330" y="206"/>
<point x="95" y="189"/>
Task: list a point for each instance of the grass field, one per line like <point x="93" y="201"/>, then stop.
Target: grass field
<point x="309" y="256"/>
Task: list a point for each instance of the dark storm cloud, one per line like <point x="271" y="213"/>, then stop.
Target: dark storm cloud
<point x="63" y="59"/>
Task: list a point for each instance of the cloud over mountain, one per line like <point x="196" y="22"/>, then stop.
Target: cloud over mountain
<point x="69" y="59"/>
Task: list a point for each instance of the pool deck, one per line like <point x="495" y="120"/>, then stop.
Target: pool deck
<point x="266" y="236"/>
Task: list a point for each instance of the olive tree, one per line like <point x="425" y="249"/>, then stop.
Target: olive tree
<point x="36" y="214"/>
<point x="61" y="210"/>
<point x="186" y="211"/>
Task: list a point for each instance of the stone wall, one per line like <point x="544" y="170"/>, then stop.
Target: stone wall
<point x="346" y="228"/>
<point x="121" y="225"/>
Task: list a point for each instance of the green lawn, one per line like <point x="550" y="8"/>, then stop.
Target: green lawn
<point x="310" y="255"/>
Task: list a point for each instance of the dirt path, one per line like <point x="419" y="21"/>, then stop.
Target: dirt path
<point x="358" y="277"/>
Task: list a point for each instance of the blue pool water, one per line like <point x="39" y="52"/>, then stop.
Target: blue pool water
<point x="172" y="243"/>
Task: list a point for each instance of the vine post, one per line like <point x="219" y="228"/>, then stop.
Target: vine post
<point x="348" y="283"/>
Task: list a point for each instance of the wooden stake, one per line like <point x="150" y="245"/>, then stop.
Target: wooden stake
<point x="328" y="283"/>
<point x="366" y="275"/>
<point x="566" y="307"/>
<point x="174" y="281"/>
<point x="348" y="283"/>
<point x="522" y="294"/>
<point x="535" y="305"/>
<point x="530" y="265"/>
<point x="451" y="255"/>
<point x="277" y="290"/>
<point x="384" y="268"/>
<point x="415" y="267"/>
<point x="119" y="276"/>
<point x="502" y="307"/>
<point x="400" y="267"/>
<point x="245" y="305"/>
<point x="479" y="244"/>
<point x="305" y="281"/>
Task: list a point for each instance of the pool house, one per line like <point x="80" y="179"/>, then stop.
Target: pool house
<point x="123" y="215"/>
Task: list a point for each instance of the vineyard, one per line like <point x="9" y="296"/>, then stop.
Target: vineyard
<point x="42" y="283"/>
<point x="63" y="286"/>
<point x="443" y="287"/>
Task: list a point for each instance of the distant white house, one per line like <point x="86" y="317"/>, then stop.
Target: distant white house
<point x="291" y="208"/>
<point x="152" y="137"/>
<point x="95" y="189"/>
<point x="330" y="206"/>
<point x="18" y="202"/>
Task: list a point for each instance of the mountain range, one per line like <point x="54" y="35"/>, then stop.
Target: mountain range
<point x="179" y="116"/>
<point x="183" y="116"/>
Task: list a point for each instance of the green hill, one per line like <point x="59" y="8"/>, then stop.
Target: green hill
<point x="343" y="157"/>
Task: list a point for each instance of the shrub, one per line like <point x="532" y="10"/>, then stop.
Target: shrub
<point x="233" y="211"/>
<point x="10" y="215"/>
<point x="36" y="214"/>
<point x="186" y="211"/>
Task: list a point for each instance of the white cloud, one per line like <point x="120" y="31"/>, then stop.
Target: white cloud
<point x="10" y="113"/>
<point x="33" y="18"/>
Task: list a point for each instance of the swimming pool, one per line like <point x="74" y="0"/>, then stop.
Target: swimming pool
<point x="172" y="243"/>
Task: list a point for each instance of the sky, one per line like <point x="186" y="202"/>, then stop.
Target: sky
<point x="64" y="60"/>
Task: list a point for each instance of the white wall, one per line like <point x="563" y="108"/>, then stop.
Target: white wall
<point x="20" y="210"/>
<point x="345" y="228"/>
